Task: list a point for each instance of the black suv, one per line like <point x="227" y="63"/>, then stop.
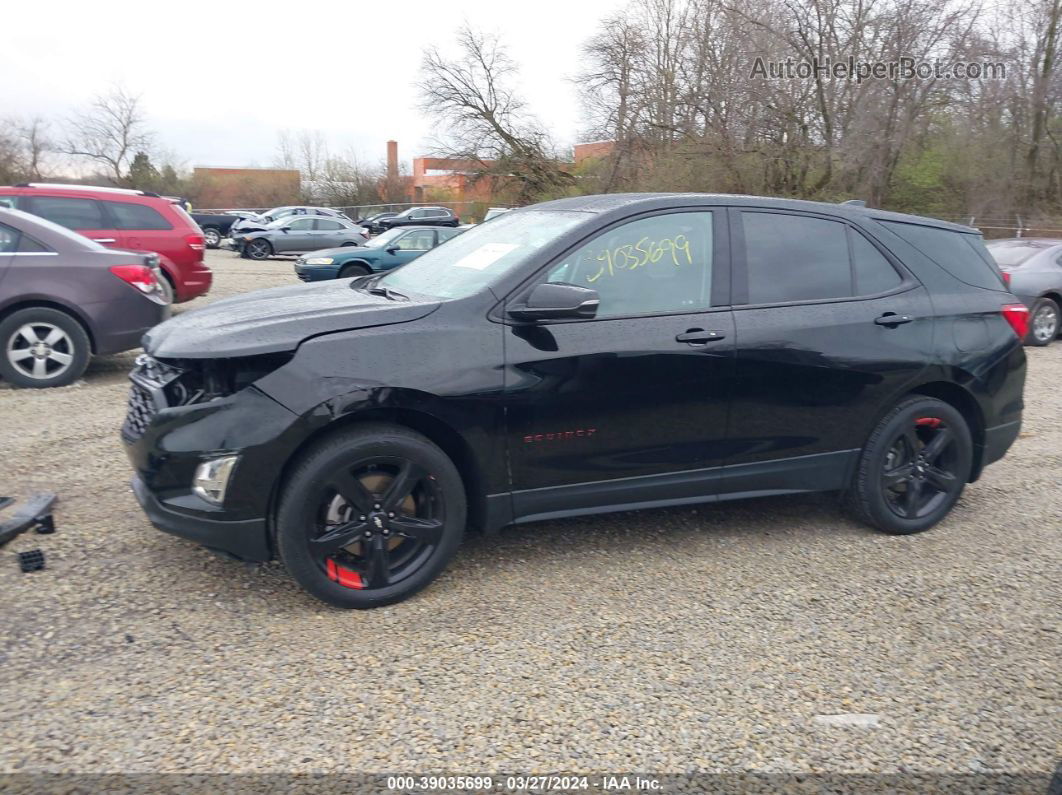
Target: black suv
<point x="585" y="355"/>
<point x="419" y="216"/>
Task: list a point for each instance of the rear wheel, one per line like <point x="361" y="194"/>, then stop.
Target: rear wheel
<point x="1043" y="323"/>
<point x="370" y="516"/>
<point x="211" y="237"/>
<point x="258" y="249"/>
<point x="43" y="347"/>
<point x="354" y="271"/>
<point x="166" y="287"/>
<point x="914" y="467"/>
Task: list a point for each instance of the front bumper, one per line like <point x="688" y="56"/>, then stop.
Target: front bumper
<point x="316" y="273"/>
<point x="245" y="539"/>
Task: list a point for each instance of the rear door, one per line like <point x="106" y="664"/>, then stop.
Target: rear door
<point x="829" y="329"/>
<point x="8" y="246"/>
<point x="329" y="233"/>
<point x="143" y="228"/>
<point x="85" y="216"/>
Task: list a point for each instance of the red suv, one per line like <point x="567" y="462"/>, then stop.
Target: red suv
<point x="125" y="219"/>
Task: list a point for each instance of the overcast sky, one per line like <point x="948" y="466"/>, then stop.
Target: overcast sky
<point x="220" y="79"/>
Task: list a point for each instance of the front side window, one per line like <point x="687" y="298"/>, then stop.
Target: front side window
<point x="136" y="216"/>
<point x="653" y="265"/>
<point x="420" y="240"/>
<point x="8" y="239"/>
<point x="71" y="213"/>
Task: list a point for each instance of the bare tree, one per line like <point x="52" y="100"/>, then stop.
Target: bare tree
<point x="110" y="132"/>
<point x="487" y="122"/>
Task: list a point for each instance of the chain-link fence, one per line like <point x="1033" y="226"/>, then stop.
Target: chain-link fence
<point x="467" y="211"/>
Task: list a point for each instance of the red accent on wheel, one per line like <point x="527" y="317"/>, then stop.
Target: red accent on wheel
<point x="929" y="422"/>
<point x="344" y="576"/>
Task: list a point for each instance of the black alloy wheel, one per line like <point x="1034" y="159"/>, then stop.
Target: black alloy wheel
<point x="914" y="467"/>
<point x="370" y="517"/>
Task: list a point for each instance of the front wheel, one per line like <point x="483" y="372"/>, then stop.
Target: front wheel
<point x="354" y="271"/>
<point x="913" y="468"/>
<point x="370" y="516"/>
<point x="258" y="249"/>
<point x="1043" y="323"/>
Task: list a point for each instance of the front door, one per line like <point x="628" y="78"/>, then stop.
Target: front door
<point x="85" y="216"/>
<point x="829" y="330"/>
<point x="629" y="407"/>
<point x="299" y="237"/>
<point x="407" y="247"/>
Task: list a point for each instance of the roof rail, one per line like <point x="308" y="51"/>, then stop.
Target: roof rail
<point x="855" y="203"/>
<point x="63" y="186"/>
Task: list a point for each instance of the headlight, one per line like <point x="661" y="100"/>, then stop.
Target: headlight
<point x="212" y="478"/>
<point x="320" y="261"/>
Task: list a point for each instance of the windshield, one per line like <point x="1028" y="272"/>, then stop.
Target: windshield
<point x="1011" y="254"/>
<point x="483" y="254"/>
<point x="384" y="238"/>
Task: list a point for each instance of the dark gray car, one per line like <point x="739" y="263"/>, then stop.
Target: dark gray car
<point x="1033" y="267"/>
<point x="299" y="235"/>
<point x="64" y="297"/>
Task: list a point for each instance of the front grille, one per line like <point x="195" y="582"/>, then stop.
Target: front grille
<point x="141" y="409"/>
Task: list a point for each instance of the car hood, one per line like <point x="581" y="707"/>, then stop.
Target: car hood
<point x="276" y="320"/>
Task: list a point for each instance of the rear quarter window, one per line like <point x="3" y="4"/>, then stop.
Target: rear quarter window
<point x="128" y="215"/>
<point x="962" y="255"/>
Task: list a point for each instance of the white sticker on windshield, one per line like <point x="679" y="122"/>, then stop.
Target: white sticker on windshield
<point x="485" y="256"/>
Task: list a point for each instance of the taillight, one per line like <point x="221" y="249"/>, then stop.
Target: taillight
<point x="1018" y="317"/>
<point x="140" y="276"/>
<point x="195" y="242"/>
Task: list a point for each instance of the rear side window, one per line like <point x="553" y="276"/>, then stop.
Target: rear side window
<point x="329" y="226"/>
<point x="962" y="255"/>
<point x="795" y="258"/>
<point x="8" y="239"/>
<point x="136" y="216"/>
<point x="871" y="272"/>
<point x="71" y="213"/>
<point x="27" y="245"/>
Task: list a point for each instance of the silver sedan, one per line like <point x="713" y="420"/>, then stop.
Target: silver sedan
<point x="299" y="235"/>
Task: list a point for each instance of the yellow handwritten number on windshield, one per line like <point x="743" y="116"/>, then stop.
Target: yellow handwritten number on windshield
<point x="632" y="256"/>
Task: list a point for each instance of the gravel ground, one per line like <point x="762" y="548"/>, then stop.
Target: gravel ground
<point x="713" y="638"/>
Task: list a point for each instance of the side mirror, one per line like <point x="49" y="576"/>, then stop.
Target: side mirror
<point x="557" y="301"/>
<point x="393" y="250"/>
<point x="285" y="229"/>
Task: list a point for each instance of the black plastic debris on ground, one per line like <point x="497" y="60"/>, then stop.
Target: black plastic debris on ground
<point x="35" y="512"/>
<point x="33" y="560"/>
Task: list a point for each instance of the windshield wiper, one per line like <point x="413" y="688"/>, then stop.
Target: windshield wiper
<point x="386" y="292"/>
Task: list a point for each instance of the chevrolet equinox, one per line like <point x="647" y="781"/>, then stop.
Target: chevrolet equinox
<point x="580" y="356"/>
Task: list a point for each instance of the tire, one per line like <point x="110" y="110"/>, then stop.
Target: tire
<point x="60" y="341"/>
<point x="354" y="271"/>
<point x="920" y="455"/>
<point x="166" y="286"/>
<point x="211" y="237"/>
<point x="348" y="243"/>
<point x="1043" y="323"/>
<point x="258" y="249"/>
<point x="383" y="567"/>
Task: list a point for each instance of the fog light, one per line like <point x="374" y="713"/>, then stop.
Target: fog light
<point x="212" y="478"/>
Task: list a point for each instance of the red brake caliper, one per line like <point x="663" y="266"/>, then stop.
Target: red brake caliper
<point x="344" y="576"/>
<point x="929" y="422"/>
